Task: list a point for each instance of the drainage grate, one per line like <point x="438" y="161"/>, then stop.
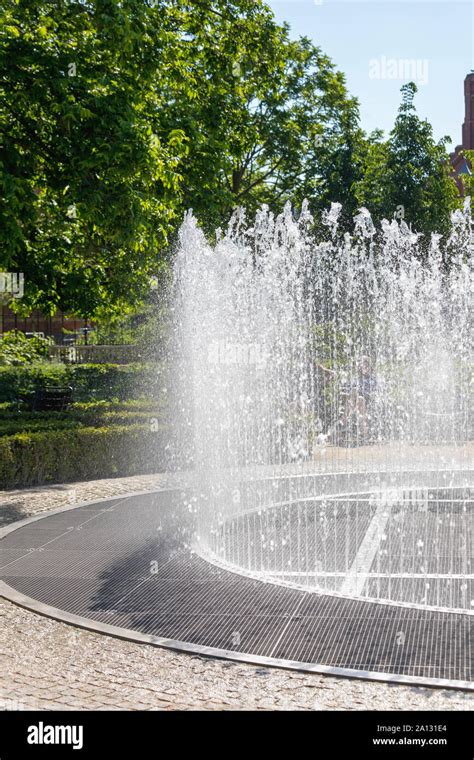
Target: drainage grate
<point x="134" y="567"/>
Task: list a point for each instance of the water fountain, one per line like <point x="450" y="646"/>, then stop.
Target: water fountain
<point x="332" y="387"/>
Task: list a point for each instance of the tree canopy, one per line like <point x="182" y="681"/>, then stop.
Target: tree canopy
<point x="267" y="113"/>
<point x="117" y="117"/>
<point x="409" y="176"/>
<point x="88" y="189"/>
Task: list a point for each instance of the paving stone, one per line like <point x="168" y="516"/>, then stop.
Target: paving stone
<point x="47" y="665"/>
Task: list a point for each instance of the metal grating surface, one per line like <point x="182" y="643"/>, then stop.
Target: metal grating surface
<point x="94" y="562"/>
<point x="417" y="550"/>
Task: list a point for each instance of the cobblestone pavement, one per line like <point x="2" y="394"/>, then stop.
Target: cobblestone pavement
<point x="46" y="664"/>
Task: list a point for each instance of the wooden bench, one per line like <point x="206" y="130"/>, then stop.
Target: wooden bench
<point x="50" y="398"/>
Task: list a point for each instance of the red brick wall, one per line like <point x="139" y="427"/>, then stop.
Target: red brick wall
<point x="468" y="126"/>
<point x="37" y="322"/>
<point x="467" y="129"/>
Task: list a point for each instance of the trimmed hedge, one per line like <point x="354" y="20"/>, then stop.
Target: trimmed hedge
<point x="11" y="411"/>
<point x="90" y="381"/>
<point x="59" y="456"/>
<point x="107" y="432"/>
<point x="100" y="414"/>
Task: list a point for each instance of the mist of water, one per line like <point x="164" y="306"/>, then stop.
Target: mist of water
<point x="321" y="353"/>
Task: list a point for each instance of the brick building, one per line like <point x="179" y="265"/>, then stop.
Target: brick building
<point x="460" y="164"/>
<point x="38" y="322"/>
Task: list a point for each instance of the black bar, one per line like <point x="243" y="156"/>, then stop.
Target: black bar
<point x="316" y="734"/>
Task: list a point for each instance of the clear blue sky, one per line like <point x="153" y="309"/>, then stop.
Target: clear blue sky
<point x="363" y="36"/>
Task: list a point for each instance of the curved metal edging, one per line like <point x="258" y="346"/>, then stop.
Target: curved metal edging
<point x="223" y="654"/>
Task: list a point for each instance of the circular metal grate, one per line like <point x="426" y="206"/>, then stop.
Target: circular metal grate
<point x="127" y="566"/>
<point x="411" y="545"/>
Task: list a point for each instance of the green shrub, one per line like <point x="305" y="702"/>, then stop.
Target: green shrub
<point x="82" y="409"/>
<point x="112" y="381"/>
<point x="28" y="425"/>
<point x="91" y="382"/>
<point x="75" y="417"/>
<point x="16" y="349"/>
<point x="58" y="456"/>
<point x="104" y="434"/>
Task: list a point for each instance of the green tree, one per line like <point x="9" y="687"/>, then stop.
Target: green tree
<point x="116" y="117"/>
<point x="467" y="177"/>
<point x="88" y="190"/>
<point x="269" y="118"/>
<point x="409" y="176"/>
